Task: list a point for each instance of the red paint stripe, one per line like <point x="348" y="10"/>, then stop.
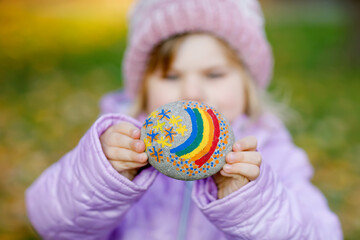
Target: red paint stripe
<point x="207" y="156"/>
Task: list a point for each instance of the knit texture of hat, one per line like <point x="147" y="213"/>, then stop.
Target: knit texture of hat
<point x="239" y="22"/>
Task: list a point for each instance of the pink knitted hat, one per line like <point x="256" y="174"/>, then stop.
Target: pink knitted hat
<point x="238" y="22"/>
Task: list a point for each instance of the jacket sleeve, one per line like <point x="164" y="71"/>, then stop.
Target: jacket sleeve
<point x="81" y="196"/>
<point x="280" y="204"/>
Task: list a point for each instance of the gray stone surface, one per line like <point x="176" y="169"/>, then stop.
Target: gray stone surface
<point x="181" y="140"/>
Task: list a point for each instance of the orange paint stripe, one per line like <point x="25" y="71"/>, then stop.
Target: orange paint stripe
<point x="211" y="136"/>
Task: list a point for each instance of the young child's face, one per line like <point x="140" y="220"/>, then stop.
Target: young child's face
<point x="201" y="71"/>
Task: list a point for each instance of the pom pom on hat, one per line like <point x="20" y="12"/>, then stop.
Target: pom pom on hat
<point x="239" y="22"/>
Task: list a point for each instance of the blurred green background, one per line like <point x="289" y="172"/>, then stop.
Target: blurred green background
<point x="57" y="58"/>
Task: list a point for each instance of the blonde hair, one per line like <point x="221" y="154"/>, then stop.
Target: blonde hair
<point x="162" y="57"/>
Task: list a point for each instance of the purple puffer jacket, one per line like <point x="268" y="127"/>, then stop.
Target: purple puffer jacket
<point x="82" y="197"/>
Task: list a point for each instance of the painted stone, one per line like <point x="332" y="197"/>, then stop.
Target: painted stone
<point x="187" y="140"/>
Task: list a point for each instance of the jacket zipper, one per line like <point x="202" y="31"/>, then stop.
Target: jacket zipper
<point x="185" y="210"/>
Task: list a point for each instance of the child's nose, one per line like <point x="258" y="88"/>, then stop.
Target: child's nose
<point x="192" y="89"/>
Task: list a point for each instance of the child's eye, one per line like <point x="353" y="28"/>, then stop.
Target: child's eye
<point x="171" y="77"/>
<point x="215" y="75"/>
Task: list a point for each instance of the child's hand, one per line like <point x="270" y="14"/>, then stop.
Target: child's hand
<point x="123" y="148"/>
<point x="242" y="165"/>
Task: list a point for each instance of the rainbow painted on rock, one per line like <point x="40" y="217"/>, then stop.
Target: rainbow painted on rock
<point x="193" y="138"/>
<point x="204" y="137"/>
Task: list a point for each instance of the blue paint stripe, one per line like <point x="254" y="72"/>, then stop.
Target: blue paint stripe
<point x="192" y="137"/>
<point x="199" y="136"/>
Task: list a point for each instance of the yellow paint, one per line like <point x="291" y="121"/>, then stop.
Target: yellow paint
<point x="181" y="129"/>
<point x="175" y="120"/>
<point x="208" y="146"/>
<point x="159" y="126"/>
<point x="205" y="139"/>
<point x="164" y="142"/>
<point x="147" y="143"/>
<point x="153" y="114"/>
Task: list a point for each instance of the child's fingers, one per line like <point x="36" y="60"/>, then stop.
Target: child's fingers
<point x="123" y="166"/>
<point x="245" y="144"/>
<point x="247" y="170"/>
<point x="245" y="157"/>
<point x="127" y="129"/>
<point x="236" y="176"/>
<point x="138" y="146"/>
<point x="122" y="154"/>
<point x="115" y="139"/>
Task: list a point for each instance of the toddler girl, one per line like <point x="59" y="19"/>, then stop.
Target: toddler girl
<point x="212" y="51"/>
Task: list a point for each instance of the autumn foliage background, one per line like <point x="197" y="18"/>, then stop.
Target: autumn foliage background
<point x="57" y="58"/>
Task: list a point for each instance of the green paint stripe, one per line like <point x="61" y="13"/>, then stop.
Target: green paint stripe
<point x="199" y="136"/>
